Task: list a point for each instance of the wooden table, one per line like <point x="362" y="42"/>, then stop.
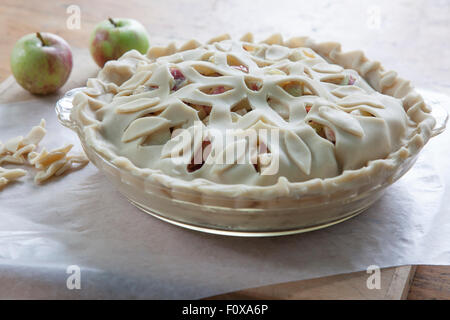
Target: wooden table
<point x="209" y="18"/>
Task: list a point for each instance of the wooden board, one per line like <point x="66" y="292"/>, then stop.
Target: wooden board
<point x="429" y="282"/>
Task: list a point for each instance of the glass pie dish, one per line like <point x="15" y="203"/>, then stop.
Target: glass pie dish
<point x="241" y="216"/>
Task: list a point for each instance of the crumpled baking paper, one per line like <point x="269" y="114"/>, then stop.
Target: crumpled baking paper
<point x="81" y="221"/>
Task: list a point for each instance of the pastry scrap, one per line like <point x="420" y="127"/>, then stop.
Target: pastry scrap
<point x="341" y="118"/>
<point x="21" y="150"/>
<point x="55" y="162"/>
<point x="15" y="150"/>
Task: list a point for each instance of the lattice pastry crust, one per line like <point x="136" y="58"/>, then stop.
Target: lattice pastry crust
<point x="23" y="151"/>
<point x="342" y="120"/>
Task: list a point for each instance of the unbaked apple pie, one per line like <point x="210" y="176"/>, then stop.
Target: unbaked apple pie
<point x="256" y="119"/>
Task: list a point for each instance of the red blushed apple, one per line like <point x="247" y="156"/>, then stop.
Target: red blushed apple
<point x="41" y="62"/>
<point x="113" y="37"/>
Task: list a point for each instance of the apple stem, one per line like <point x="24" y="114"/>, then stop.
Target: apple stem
<point x="112" y="22"/>
<point x="38" y="34"/>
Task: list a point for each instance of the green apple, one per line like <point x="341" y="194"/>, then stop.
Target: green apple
<point x="41" y="62"/>
<point x="112" y="38"/>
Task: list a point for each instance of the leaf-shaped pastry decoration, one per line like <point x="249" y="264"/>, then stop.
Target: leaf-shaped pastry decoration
<point x="180" y="113"/>
<point x="248" y="37"/>
<point x="190" y="45"/>
<point x="224" y="45"/>
<point x="207" y="70"/>
<point x="117" y="72"/>
<point x="143" y="127"/>
<point x="298" y="151"/>
<point x="155" y="52"/>
<point x="137" y="105"/>
<point x="138" y="79"/>
<point x="333" y="78"/>
<point x="251" y="118"/>
<point x="275" y="38"/>
<point x="342" y="120"/>
<point x="219" y="38"/>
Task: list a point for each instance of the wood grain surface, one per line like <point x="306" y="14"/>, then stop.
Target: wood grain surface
<point x="383" y="32"/>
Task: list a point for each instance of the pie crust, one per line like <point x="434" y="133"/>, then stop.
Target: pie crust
<point x="344" y="123"/>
